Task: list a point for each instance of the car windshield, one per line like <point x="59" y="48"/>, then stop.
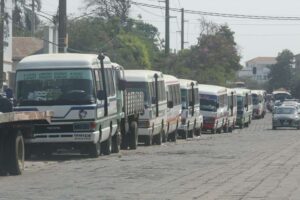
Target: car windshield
<point x="283" y="110"/>
<point x="208" y="102"/>
<point x="55" y="87"/>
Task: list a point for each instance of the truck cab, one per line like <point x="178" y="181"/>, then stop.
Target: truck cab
<point x="81" y="90"/>
<point x="191" y="119"/>
<point x="152" y="121"/>
<point x="244" y="107"/>
<point x="172" y="85"/>
<point x="214" y="107"/>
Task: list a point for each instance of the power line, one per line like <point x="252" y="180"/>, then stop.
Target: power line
<point x="215" y="14"/>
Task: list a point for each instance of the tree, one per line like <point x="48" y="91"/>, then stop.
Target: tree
<point x="281" y="73"/>
<point x="109" y="9"/>
<point x="125" y="45"/>
<point x="214" y="60"/>
<point x="22" y="16"/>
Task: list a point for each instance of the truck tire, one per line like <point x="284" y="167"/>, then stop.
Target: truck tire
<point x="148" y="140"/>
<point x="106" y="146"/>
<point x="16" y="153"/>
<point x="133" y="136"/>
<point x="191" y="133"/>
<point x="116" y="142"/>
<point x="95" y="150"/>
<point x="165" y="136"/>
<point x="158" y="138"/>
<point x="173" y="136"/>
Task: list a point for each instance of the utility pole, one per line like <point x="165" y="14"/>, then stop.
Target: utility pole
<point x="32" y="18"/>
<point x="182" y="28"/>
<point x="1" y="43"/>
<point x="167" y="31"/>
<point x="62" y="26"/>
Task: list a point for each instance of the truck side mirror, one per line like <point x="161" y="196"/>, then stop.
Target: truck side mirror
<point x="217" y="105"/>
<point x="170" y="104"/>
<point x="191" y="103"/>
<point x="122" y="84"/>
<point x="153" y="100"/>
<point x="101" y="94"/>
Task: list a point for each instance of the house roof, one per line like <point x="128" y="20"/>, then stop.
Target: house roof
<point x="263" y="60"/>
<point x="25" y="46"/>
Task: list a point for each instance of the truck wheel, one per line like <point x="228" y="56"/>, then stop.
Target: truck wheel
<point x="184" y="134"/>
<point x="148" y="140"/>
<point x="16" y="155"/>
<point x="198" y="132"/>
<point x="166" y="135"/>
<point x="116" y="142"/>
<point x="225" y="129"/>
<point x="95" y="150"/>
<point x="106" y="146"/>
<point x="133" y="141"/>
<point x="191" y="133"/>
<point x="158" y="138"/>
<point x="241" y="126"/>
<point x="173" y="136"/>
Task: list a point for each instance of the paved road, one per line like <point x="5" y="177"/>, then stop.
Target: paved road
<point x="253" y="163"/>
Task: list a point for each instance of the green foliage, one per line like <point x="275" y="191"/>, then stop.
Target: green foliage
<point x="214" y="60"/>
<point x="129" y="48"/>
<point x="281" y="72"/>
<point x="22" y="17"/>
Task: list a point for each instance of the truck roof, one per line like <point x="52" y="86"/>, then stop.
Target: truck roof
<point x="170" y="80"/>
<point x="242" y="91"/>
<point x="186" y="83"/>
<point x="212" y="89"/>
<point x="142" y="75"/>
<point x="66" y="60"/>
<point x="231" y="91"/>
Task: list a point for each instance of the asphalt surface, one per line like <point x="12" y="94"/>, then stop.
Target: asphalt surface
<point x="252" y="163"/>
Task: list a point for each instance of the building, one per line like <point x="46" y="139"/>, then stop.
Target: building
<point x="257" y="69"/>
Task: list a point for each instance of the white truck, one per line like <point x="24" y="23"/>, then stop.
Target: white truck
<point x="152" y="121"/>
<point x="174" y="107"/>
<point x="92" y="110"/>
<point x="191" y="119"/>
<point x="213" y="106"/>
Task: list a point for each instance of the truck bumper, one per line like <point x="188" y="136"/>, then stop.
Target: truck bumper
<point x="65" y="137"/>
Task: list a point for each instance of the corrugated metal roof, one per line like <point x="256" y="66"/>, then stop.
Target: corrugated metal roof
<point x="25" y="46"/>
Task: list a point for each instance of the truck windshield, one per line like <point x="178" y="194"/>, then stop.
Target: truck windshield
<point x="208" y="102"/>
<point x="140" y="87"/>
<point x="54" y="87"/>
<point x="255" y="99"/>
<point x="240" y="102"/>
<point x="184" y="98"/>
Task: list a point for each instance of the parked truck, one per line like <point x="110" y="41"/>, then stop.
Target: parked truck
<point x="14" y="128"/>
<point x="92" y="111"/>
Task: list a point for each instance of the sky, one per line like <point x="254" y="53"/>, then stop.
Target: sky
<point x="254" y="37"/>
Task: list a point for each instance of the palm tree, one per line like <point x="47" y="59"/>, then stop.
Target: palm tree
<point x="22" y="16"/>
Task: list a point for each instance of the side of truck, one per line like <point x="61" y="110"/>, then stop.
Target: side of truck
<point x="91" y="108"/>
